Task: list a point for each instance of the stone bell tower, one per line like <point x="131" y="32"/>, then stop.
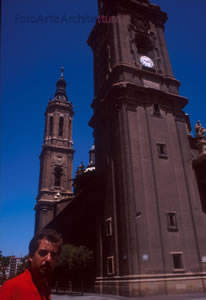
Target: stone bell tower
<point x="55" y="181"/>
<point x="151" y="225"/>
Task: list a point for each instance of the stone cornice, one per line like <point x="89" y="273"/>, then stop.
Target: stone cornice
<point x="52" y="148"/>
<point x="55" y="104"/>
<point x="137" y="76"/>
<point x="126" y="90"/>
<point x="133" y="95"/>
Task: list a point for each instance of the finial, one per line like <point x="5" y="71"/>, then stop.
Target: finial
<point x="62" y="72"/>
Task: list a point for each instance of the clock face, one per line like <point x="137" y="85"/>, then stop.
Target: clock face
<point x="146" y="61"/>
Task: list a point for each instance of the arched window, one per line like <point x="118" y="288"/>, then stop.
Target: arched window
<point x="61" y="125"/>
<point x="50" y="126"/>
<point x="144" y="44"/>
<point x="57" y="176"/>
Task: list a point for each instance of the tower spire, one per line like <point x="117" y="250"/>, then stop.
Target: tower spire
<point x="55" y="183"/>
<point x="61" y="87"/>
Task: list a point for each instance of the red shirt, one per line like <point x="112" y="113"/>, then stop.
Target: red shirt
<point x="21" y="288"/>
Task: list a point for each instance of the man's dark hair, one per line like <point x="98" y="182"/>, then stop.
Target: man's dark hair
<point x="48" y="234"/>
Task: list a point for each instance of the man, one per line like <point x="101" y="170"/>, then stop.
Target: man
<point x="33" y="283"/>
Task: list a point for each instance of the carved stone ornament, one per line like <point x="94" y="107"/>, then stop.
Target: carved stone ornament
<point x="59" y="160"/>
<point x="199" y="131"/>
<point x="139" y="25"/>
<point x="202" y="147"/>
<point x="58" y="196"/>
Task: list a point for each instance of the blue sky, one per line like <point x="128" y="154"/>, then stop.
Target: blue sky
<point x="32" y="55"/>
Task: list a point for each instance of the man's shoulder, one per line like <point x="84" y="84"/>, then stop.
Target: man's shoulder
<point x="21" y="281"/>
<point x="22" y="278"/>
<point x="19" y="287"/>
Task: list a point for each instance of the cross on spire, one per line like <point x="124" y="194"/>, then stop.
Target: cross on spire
<point x="62" y="72"/>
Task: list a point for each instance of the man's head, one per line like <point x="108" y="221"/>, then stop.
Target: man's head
<point x="43" y="251"/>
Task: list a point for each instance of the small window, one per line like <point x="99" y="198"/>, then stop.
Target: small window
<point x="178" y="261"/>
<point x="50" y="126"/>
<point x="162" y="151"/>
<point x="144" y="44"/>
<point x="138" y="214"/>
<point x="44" y="211"/>
<point x="61" y="126"/>
<point x="156" y="109"/>
<point x="58" y="174"/>
<point x="110" y="265"/>
<point x="171" y="221"/>
<point x="109" y="227"/>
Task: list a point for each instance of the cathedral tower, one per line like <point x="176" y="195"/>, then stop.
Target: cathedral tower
<point x="151" y="226"/>
<point x="55" y="181"/>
